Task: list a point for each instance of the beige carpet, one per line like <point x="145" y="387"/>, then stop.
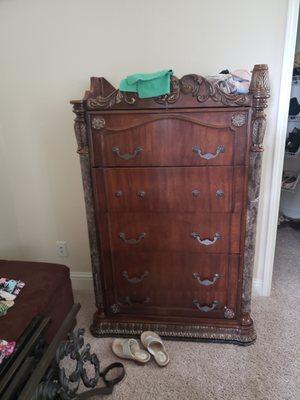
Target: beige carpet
<point x="263" y="371"/>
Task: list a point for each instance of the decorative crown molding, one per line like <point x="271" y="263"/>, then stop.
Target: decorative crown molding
<point x="190" y="91"/>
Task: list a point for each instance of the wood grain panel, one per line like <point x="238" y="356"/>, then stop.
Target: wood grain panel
<point x="173" y="232"/>
<point x="163" y="283"/>
<point x="212" y="189"/>
<point x="157" y="138"/>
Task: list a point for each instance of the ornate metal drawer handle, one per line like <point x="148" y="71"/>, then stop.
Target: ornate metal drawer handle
<point x="135" y="279"/>
<point x="132" y="241"/>
<point x="128" y="302"/>
<point x="208" y="156"/>
<point x="206" y="307"/>
<point x="206" y="282"/>
<point x="127" y="156"/>
<point x="206" y="242"/>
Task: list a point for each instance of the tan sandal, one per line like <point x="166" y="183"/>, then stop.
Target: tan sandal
<point x="153" y="343"/>
<point x="130" y="349"/>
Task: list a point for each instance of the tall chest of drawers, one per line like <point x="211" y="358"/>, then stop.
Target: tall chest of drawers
<point x="171" y="188"/>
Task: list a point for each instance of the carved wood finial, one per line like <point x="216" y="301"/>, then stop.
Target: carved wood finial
<point x="260" y="90"/>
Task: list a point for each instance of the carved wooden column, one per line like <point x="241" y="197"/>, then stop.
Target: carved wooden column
<point x="83" y="151"/>
<point x="260" y="90"/>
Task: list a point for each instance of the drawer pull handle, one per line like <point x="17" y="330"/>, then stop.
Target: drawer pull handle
<point x="127" y="156"/>
<point x="208" y="156"/>
<point x="206" y="307"/>
<point x="129" y="302"/>
<point x="141" y="236"/>
<point x="195" y="192"/>
<point x="206" y="282"/>
<point x="135" y="279"/>
<point x="141" y="194"/>
<point x="219" y="193"/>
<point x="206" y="242"/>
<point x="119" y="193"/>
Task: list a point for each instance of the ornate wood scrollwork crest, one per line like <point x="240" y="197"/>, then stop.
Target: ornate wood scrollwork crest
<point x="195" y="86"/>
<point x="203" y="90"/>
<point x="111" y="100"/>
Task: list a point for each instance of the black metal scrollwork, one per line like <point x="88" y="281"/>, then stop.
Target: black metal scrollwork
<point x="57" y="385"/>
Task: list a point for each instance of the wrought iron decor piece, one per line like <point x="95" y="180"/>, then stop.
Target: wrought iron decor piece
<point x="206" y="242"/>
<point x="127" y="156"/>
<point x="98" y="123"/>
<point x="206" y="282"/>
<point x="195" y="192"/>
<point x="219" y="193"/>
<point x="206" y="307"/>
<point x="141" y="236"/>
<point x="141" y="194"/>
<point x="208" y="156"/>
<point x="228" y="313"/>
<point x="238" y="119"/>
<point x="135" y="279"/>
<point x="57" y="385"/>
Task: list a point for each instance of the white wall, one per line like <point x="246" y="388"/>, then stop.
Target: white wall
<point x="50" y="48"/>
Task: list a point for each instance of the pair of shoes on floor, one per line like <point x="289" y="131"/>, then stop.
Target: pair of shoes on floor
<point x="131" y="349"/>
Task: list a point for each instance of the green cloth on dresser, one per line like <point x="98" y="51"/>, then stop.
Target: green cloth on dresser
<point x="148" y="85"/>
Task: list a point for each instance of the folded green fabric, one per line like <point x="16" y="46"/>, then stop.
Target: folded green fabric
<point x="148" y="85"/>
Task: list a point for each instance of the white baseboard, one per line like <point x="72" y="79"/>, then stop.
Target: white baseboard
<point x="257" y="288"/>
<point x="82" y="281"/>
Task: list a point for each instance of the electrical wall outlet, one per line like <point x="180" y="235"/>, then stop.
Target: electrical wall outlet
<point x="62" y="249"/>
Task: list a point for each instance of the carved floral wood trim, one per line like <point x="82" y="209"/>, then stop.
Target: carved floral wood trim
<point x="149" y="119"/>
<point x="199" y="89"/>
<point x="101" y="328"/>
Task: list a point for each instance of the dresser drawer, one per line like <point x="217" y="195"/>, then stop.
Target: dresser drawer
<point x="177" y="284"/>
<point x="168" y="139"/>
<point x="191" y="232"/>
<point x="211" y="189"/>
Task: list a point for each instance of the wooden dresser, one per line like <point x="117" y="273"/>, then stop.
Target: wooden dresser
<point x="171" y="188"/>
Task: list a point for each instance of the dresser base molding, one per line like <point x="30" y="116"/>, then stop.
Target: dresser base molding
<point x="111" y="328"/>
